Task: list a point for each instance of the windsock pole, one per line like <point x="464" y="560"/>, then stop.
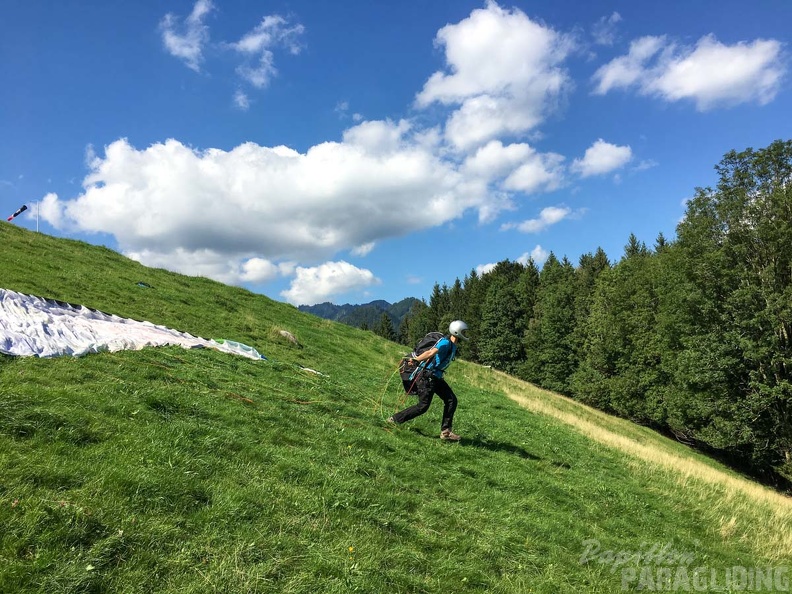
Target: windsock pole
<point x="17" y="213"/>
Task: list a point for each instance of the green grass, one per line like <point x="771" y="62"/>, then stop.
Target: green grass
<point x="171" y="470"/>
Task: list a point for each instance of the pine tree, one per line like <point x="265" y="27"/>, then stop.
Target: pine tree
<point x="526" y="290"/>
<point x="549" y="359"/>
<point x="588" y="271"/>
<point x="420" y="322"/>
<point x="439" y="304"/>
<point x="634" y="247"/>
<point x="385" y="328"/>
<point x="456" y="301"/>
<point x="475" y="292"/>
<point x="500" y="340"/>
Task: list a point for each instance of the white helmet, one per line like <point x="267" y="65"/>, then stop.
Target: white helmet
<point x="458" y="328"/>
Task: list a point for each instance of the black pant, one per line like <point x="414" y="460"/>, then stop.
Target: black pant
<point x="435" y="386"/>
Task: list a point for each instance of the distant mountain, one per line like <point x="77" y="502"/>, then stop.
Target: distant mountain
<point x="357" y="315"/>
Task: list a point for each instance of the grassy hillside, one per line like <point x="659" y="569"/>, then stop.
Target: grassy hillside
<point x="168" y="470"/>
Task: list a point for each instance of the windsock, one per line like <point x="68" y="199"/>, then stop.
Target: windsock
<point x="19" y="212"/>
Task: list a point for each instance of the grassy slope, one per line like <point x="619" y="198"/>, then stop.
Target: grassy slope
<point x="169" y="470"/>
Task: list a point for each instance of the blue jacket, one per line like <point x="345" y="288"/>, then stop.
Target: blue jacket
<point x="446" y="351"/>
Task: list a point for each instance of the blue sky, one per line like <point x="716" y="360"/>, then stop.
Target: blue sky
<point x="356" y="150"/>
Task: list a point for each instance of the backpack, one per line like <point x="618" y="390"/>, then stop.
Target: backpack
<point x="413" y="376"/>
<point x="426" y="343"/>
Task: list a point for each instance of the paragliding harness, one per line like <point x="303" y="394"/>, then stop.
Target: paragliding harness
<point x="417" y="377"/>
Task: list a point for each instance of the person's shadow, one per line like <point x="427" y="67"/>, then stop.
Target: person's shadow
<point x="508" y="448"/>
<point x="498" y="446"/>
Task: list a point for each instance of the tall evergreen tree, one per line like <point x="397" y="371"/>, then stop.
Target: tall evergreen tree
<point x="549" y="358"/>
<point x="420" y="322"/>
<point x="621" y="368"/>
<point x="634" y="247"/>
<point x="475" y="292"/>
<point x="439" y="304"/>
<point x="588" y="271"/>
<point x="385" y="327"/>
<point x="526" y="290"/>
<point x="660" y="243"/>
<point x="598" y="357"/>
<point x="508" y="271"/>
<point x="456" y="301"/>
<point x="403" y="335"/>
<point x="500" y="340"/>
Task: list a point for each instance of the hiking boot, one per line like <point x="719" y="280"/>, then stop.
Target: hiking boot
<point x="448" y="435"/>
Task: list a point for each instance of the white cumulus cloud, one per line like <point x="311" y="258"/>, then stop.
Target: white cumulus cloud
<point x="206" y="212"/>
<point x="547" y="217"/>
<point x="519" y="167"/>
<point x="363" y="250"/>
<point x="494" y="159"/>
<point x="260" y="270"/>
<point x="482" y="269"/>
<point x="272" y="32"/>
<point x="710" y="74"/>
<point x="539" y="256"/>
<point x="504" y="74"/>
<point x="317" y="284"/>
<point x="628" y="70"/>
<point x="241" y="100"/>
<point x="604" y="31"/>
<point x="601" y="158"/>
<point x="50" y="210"/>
<point x="187" y="40"/>
<point x="538" y="172"/>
